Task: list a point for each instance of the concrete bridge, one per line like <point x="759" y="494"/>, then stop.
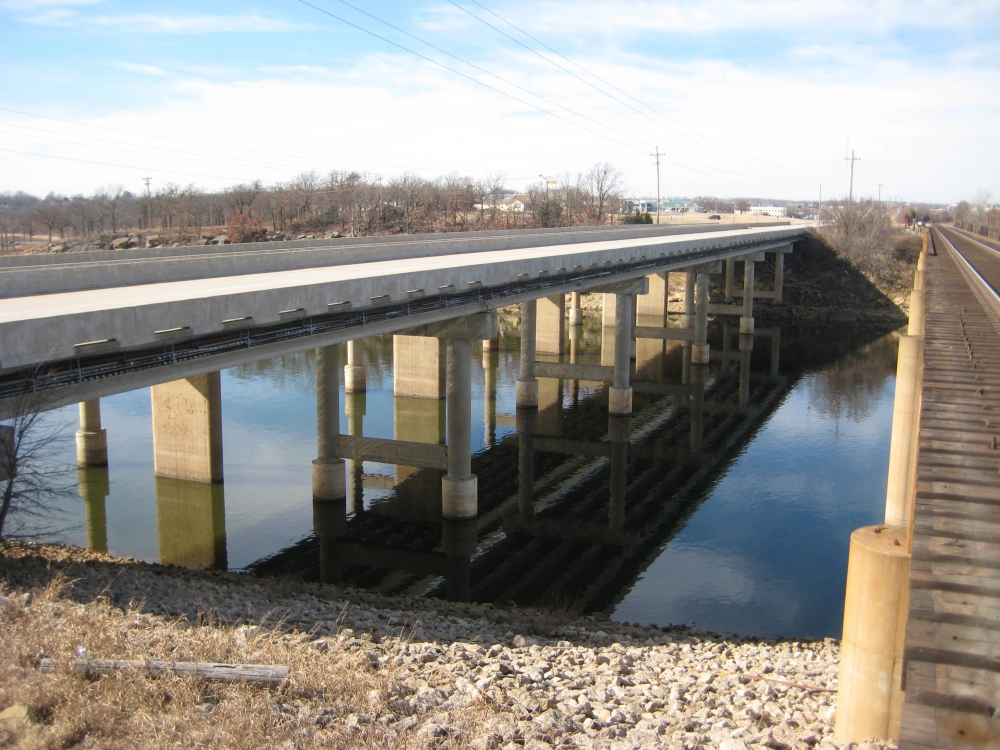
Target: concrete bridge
<point x="95" y="326"/>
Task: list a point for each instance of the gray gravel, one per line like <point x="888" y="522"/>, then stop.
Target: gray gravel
<point x="579" y="682"/>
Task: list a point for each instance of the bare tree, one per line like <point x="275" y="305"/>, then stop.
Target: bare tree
<point x="982" y="204"/>
<point x="32" y="476"/>
<point x="861" y="232"/>
<point x="604" y="185"/>
<point x="50" y="212"/>
<point x="109" y="198"/>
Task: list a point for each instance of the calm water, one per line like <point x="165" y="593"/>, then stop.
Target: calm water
<point x="734" y="515"/>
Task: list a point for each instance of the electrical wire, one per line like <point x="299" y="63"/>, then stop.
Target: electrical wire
<point x="783" y="178"/>
<point x="464" y="75"/>
<point x="616" y="88"/>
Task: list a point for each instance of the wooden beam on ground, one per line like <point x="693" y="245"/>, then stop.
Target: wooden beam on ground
<point x="258" y="674"/>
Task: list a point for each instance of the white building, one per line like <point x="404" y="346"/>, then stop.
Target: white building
<point x="775" y="211"/>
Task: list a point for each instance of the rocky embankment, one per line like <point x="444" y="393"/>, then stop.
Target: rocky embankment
<point x="530" y="679"/>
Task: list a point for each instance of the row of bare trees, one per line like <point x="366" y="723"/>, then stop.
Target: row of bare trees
<point x="349" y="202"/>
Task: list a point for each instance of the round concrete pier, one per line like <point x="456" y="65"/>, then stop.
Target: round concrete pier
<point x="870" y="701"/>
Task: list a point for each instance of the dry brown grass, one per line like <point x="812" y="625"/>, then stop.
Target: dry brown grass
<point x="334" y="697"/>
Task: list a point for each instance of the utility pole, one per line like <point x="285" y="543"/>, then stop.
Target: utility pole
<point x="852" y="158"/>
<point x="149" y="205"/>
<point x="879" y="193"/>
<point x="657" y="155"/>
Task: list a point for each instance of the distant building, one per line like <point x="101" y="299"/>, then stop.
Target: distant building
<point x="667" y="205"/>
<point x="775" y="211"/>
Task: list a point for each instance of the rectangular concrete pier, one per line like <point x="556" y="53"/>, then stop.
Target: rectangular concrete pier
<point x="187" y="428"/>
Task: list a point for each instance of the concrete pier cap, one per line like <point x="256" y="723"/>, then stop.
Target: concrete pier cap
<point x="527" y="394"/>
<point x="620" y="401"/>
<point x="460" y="497"/>
<point x="329" y="479"/>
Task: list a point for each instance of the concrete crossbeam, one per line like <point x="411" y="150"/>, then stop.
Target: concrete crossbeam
<point x="568" y="371"/>
<point x="664" y="334"/>
<point x="384" y="451"/>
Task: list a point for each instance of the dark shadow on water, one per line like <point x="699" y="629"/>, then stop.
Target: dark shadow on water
<point x="574" y="506"/>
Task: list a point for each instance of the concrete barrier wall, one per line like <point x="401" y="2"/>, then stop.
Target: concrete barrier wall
<point x="28" y="275"/>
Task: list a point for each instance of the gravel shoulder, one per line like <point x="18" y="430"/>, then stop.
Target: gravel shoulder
<point x="447" y="674"/>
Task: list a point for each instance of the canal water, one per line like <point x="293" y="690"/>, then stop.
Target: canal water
<point x="726" y="501"/>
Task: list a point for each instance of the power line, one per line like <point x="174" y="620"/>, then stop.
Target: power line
<point x="464" y="75"/>
<point x="487" y="72"/>
<point x="517" y="99"/>
<point x="611" y="96"/>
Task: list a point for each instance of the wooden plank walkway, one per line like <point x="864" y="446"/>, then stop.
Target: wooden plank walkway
<point x="951" y="670"/>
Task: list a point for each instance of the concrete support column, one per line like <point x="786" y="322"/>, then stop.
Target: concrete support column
<point x="491" y="364"/>
<point x="653" y="304"/>
<point x="905" y="423"/>
<point x="91" y="438"/>
<point x="699" y="352"/>
<point x="329" y="526"/>
<point x="187" y="428"/>
<point x="608" y="310"/>
<point x="191" y="523"/>
<point x="575" y="311"/>
<point x="527" y="385"/>
<point x="491" y="345"/>
<point x="550" y="324"/>
<point x="775" y="350"/>
<point x="355" y="404"/>
<point x="746" y="322"/>
<point x="459" y="541"/>
<point x="870" y="701"/>
<point x="620" y="393"/>
<point x="328" y="475"/>
<point x="355" y="373"/>
<point x="526" y="425"/>
<point x="730" y="273"/>
<point x="619" y="430"/>
<point x="698" y="377"/>
<point x="94" y="489"/>
<point x="746" y="349"/>
<point x="779" y="277"/>
<point x="459" y="493"/>
<point x="689" y="282"/>
<point x="418" y="364"/>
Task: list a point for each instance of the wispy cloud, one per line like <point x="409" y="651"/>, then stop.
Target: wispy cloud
<point x="164" y="24"/>
<point x="149" y="70"/>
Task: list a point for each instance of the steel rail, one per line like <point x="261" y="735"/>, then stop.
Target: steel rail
<point x="976" y="280"/>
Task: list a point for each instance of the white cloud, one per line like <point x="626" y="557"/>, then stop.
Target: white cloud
<point x="168" y="24"/>
<point x="714" y="16"/>
<point x="387" y="112"/>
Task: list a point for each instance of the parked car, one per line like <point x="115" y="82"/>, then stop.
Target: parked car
<point x="715" y="217"/>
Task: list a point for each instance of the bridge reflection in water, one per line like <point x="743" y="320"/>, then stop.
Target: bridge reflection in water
<point x="575" y="503"/>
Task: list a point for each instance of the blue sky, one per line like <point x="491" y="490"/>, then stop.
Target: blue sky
<point x="747" y="98"/>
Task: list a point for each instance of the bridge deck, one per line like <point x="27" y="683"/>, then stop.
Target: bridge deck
<point x="951" y="668"/>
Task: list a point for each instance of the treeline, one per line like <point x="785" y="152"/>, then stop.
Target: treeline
<point x="347" y="202"/>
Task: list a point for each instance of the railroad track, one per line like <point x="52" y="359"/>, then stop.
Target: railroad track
<point x="981" y="265"/>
